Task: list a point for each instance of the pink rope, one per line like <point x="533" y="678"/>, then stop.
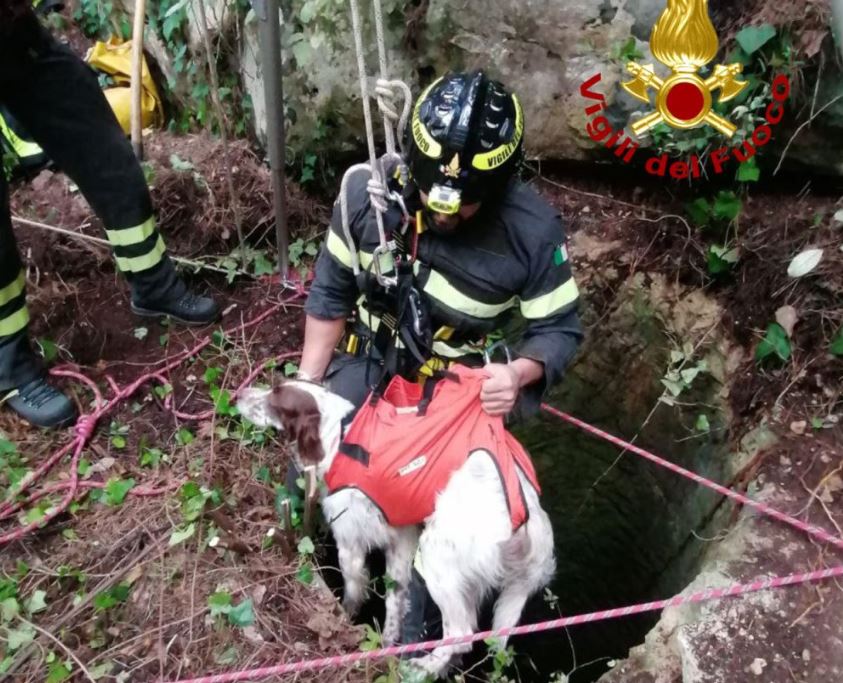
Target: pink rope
<point x="84" y="431"/>
<point x="342" y="661"/>
<point x="809" y="529"/>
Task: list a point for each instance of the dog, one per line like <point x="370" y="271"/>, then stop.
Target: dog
<point x="467" y="549"/>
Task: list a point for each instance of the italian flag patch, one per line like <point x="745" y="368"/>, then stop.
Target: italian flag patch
<point x="560" y="256"/>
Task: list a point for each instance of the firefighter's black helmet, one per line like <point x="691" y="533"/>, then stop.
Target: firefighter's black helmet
<point x="466" y="140"/>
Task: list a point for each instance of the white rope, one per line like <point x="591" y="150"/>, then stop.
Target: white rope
<point x="394" y="122"/>
<point x="388" y="122"/>
<point x="367" y="113"/>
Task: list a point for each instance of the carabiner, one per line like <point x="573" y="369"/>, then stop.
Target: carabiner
<point x="489" y="352"/>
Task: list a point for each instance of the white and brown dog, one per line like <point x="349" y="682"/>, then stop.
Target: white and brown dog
<point x="467" y="547"/>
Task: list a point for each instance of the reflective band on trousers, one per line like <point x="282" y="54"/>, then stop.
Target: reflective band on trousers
<point x="129" y="236"/>
<point x="548" y="304"/>
<point x="136" y="264"/>
<point x="12" y="290"/>
<point x="23" y="148"/>
<point x="14" y="323"/>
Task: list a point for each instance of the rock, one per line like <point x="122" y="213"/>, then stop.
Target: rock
<point x="757" y="667"/>
<point x="799" y="427"/>
<point x="543" y="51"/>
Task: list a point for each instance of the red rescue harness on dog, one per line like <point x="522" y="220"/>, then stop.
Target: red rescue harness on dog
<point x="401" y="453"/>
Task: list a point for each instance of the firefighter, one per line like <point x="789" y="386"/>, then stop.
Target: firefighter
<point x="482" y="247"/>
<point x="57" y="98"/>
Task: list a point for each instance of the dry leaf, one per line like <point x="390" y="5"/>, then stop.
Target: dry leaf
<point x="812" y="41"/>
<point x="258" y="594"/>
<point x="251" y="634"/>
<point x="205" y="430"/>
<point x="135" y="574"/>
<point x="787" y="317"/>
<point x="804" y="263"/>
<point x="834" y="484"/>
<point x="101" y="466"/>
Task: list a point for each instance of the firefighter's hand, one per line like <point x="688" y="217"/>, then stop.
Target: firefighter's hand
<point x="500" y="390"/>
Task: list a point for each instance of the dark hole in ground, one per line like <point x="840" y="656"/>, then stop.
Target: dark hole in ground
<point x="627" y="539"/>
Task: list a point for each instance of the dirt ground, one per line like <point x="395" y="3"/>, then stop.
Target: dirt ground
<point x="164" y="628"/>
<point x="79" y="308"/>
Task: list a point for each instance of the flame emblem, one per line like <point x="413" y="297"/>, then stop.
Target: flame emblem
<point x="453" y="170"/>
<point x="684" y="39"/>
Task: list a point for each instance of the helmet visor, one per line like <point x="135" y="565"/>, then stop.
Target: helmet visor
<point x="443" y="199"/>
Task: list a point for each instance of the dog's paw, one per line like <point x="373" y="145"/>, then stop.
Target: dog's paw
<point x="429" y="668"/>
<point x="409" y="672"/>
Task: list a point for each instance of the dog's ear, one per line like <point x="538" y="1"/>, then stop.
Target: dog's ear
<point x="297" y="410"/>
<point x="253" y="404"/>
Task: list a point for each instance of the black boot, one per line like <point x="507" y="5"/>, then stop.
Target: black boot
<point x="423" y="620"/>
<point x="188" y="308"/>
<point x="42" y="405"/>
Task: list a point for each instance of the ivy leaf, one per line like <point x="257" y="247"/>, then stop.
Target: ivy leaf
<point x="753" y="38"/>
<point x="748" y="171"/>
<point x="184" y="437"/>
<point x="102" y="670"/>
<point x="179" y="164"/>
<point x="211" y="375"/>
<point x="306" y="546"/>
<point x="112" y="597"/>
<point x="49" y="350"/>
<point x="150" y="457"/>
<point x="227" y="656"/>
<point x="9" y="609"/>
<point x="116" y="490"/>
<point x="219" y="603"/>
<point x="58" y="672"/>
<point x="837" y="345"/>
<point x="181" y="534"/>
<point x="242" y="614"/>
<point x="263" y="266"/>
<point x="721" y="260"/>
<point x="16" y="638"/>
<point x="36" y="603"/>
<point x="775" y="343"/>
<point x="700" y="211"/>
<point x="727" y="206"/>
<point x="305" y="574"/>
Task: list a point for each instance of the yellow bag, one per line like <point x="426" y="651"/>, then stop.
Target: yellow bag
<point x="115" y="59"/>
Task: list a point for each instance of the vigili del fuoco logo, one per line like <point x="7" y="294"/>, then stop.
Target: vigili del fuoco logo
<point x="685" y="41"/>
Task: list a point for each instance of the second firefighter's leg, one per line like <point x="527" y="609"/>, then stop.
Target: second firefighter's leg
<point x="58" y="99"/>
<point x="22" y="379"/>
